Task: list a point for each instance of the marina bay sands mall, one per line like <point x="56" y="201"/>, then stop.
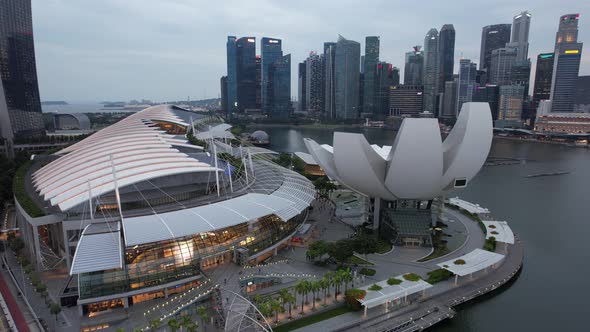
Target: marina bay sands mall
<point x="144" y="208"/>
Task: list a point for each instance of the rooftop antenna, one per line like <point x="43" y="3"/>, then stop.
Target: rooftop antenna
<point x="117" y="196"/>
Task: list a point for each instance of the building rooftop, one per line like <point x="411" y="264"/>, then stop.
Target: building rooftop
<point x="476" y="260"/>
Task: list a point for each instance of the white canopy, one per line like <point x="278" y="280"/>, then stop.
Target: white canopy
<point x="392" y="292"/>
<point x="476" y="260"/>
<point x="99" y="249"/>
<point x="501" y="227"/>
<point x="468" y="206"/>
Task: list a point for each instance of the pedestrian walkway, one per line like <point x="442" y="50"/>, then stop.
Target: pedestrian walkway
<point x="15" y="312"/>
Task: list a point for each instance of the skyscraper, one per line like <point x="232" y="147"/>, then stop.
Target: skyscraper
<point x="370" y="70"/>
<point x="383" y="81"/>
<point x="329" y="80"/>
<point x="20" y="106"/>
<point x="488" y="94"/>
<point x="246" y="73"/>
<point x="232" y="75"/>
<point x="405" y="100"/>
<point x="543" y="75"/>
<point x="446" y="55"/>
<point x="501" y="65"/>
<point x="271" y="53"/>
<point x="520" y="74"/>
<point x="223" y="83"/>
<point x="466" y="84"/>
<point x="258" y="82"/>
<point x="430" y="72"/>
<point x="279" y="89"/>
<point x="347" y="61"/>
<point x="510" y="103"/>
<point x="520" y="36"/>
<point x="301" y="87"/>
<point x="314" y="81"/>
<point x="449" y="100"/>
<point x="413" y="67"/>
<point x="493" y="37"/>
<point x="568" y="52"/>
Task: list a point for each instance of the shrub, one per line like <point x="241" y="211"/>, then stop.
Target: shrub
<point x="375" y="287"/>
<point x="28" y="268"/>
<point x="412" y="277"/>
<point x="438" y="275"/>
<point x="495" y="233"/>
<point x="492" y="226"/>
<point x="353" y="296"/>
<point x="18" y="187"/>
<point x="393" y="281"/>
<point x="367" y="272"/>
<point x="41" y="287"/>
<point x="490" y="244"/>
<point x="459" y="262"/>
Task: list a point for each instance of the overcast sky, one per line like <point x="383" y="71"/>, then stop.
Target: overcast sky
<point x="94" y="50"/>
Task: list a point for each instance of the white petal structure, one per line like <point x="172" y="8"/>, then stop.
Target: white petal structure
<point x="418" y="165"/>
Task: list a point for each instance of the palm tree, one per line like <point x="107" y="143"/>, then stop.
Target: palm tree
<point x="275" y="306"/>
<point x="336" y="281"/>
<point x="120" y="329"/>
<point x="264" y="309"/>
<point x="346" y="278"/>
<point x="290" y="298"/>
<point x="301" y="289"/>
<point x="204" y="314"/>
<point x="155" y="323"/>
<point x="324" y="284"/>
<point x="315" y="287"/>
<point x="283" y="293"/>
<point x="185" y="321"/>
<point x="173" y="324"/>
<point x="307" y="290"/>
<point x="257" y="298"/>
<point x="192" y="327"/>
<point x="328" y="276"/>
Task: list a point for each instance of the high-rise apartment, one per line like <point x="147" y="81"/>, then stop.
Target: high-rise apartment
<point x="430" y="71"/>
<point x="501" y="65"/>
<point x="568" y="53"/>
<point x="314" y="81"/>
<point x="413" y="67"/>
<point x="20" y="104"/>
<point x="347" y="62"/>
<point x="510" y="103"/>
<point x="493" y="37"/>
<point x="371" y="59"/>
<point x="446" y="55"/>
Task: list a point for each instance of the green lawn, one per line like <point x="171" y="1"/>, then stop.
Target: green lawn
<point x="311" y="319"/>
<point x="356" y="260"/>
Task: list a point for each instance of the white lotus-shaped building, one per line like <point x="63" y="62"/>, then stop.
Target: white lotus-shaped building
<point x="419" y="165"/>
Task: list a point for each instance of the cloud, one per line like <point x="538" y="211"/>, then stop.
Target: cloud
<point x="171" y="49"/>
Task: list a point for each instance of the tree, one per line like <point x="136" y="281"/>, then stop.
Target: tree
<point x="173" y="324"/>
<point x="185" y="321"/>
<point x="301" y="289"/>
<point x="275" y="307"/>
<point x="155" y="323"/>
<point x="283" y="293"/>
<point x="318" y="249"/>
<point x="120" y="329"/>
<point x="204" y="314"/>
<point x="290" y="299"/>
<point x="341" y="250"/>
<point x="54" y="309"/>
<point x="324" y="284"/>
<point x="346" y="278"/>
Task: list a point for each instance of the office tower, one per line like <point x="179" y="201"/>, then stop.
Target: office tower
<point x="543" y="75"/>
<point x="20" y="106"/>
<point x="446" y="55"/>
<point x="348" y="56"/>
<point x="488" y="94"/>
<point x="520" y="74"/>
<point x="329" y="80"/>
<point x="258" y="82"/>
<point x="430" y="71"/>
<point x="568" y="52"/>
<point x="271" y="53"/>
<point x="466" y="83"/>
<point x="279" y="88"/>
<point x="223" y="83"/>
<point x="520" y="36"/>
<point x="371" y="59"/>
<point x="449" y="100"/>
<point x="501" y="65"/>
<point x="395" y="76"/>
<point x="413" y="67"/>
<point x="314" y="81"/>
<point x="493" y="37"/>
<point x="582" y="97"/>
<point x="510" y="102"/>
<point x="232" y="75"/>
<point x="301" y="88"/>
<point x="405" y="100"/>
<point x="383" y="80"/>
<point x="246" y="73"/>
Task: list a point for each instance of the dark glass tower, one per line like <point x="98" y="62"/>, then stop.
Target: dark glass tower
<point x="430" y="73"/>
<point x="329" y="80"/>
<point x="370" y="71"/>
<point x="279" y="92"/>
<point x="232" y="75"/>
<point x="20" y="105"/>
<point x="272" y="53"/>
<point x="246" y="73"/>
<point x="413" y="67"/>
<point x="446" y="55"/>
<point x="568" y="53"/>
<point x="493" y="37"/>
<point x="346" y="69"/>
<point x="223" y="82"/>
<point x="301" y="88"/>
<point x="466" y="84"/>
<point x="543" y="75"/>
<point x="384" y="80"/>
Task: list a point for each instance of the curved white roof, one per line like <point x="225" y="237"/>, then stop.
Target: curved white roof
<point x="418" y="165"/>
<point x="139" y="151"/>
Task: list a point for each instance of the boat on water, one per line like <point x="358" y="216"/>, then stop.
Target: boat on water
<point x="546" y="174"/>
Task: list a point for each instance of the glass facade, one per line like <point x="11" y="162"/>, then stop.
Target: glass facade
<point x="370" y="71"/>
<point x="446" y="55"/>
<point x="232" y="76"/>
<point x="279" y="93"/>
<point x="430" y="78"/>
<point x="155" y="264"/>
<point x="20" y="106"/>
<point x="493" y="37"/>
<point x="271" y="53"/>
<point x="246" y="73"/>
<point x="543" y="75"/>
<point x="347" y="77"/>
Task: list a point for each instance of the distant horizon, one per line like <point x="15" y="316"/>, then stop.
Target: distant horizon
<point x="161" y="50"/>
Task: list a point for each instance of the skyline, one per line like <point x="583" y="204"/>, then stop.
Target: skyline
<point x="157" y="51"/>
